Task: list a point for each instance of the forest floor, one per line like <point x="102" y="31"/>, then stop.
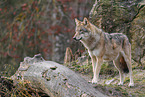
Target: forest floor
<point x="109" y="86"/>
<point x="109" y="78"/>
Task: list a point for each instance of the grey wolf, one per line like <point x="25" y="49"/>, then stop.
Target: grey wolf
<point x="103" y="46"/>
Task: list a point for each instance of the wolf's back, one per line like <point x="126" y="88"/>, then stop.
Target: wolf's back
<point x="119" y="39"/>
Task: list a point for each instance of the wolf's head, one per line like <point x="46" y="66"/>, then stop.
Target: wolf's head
<point x="82" y="30"/>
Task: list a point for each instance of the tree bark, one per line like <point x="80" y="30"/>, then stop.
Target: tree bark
<point x="54" y="79"/>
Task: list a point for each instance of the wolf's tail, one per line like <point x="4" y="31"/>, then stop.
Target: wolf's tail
<point x="123" y="65"/>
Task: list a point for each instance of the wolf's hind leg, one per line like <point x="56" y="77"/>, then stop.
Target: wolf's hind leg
<point x="128" y="62"/>
<point x="117" y="65"/>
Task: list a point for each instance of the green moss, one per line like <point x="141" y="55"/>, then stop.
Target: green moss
<point x="108" y="70"/>
<point x="141" y="95"/>
<point x="110" y="91"/>
<point x="118" y="89"/>
<point x="126" y="80"/>
<point x="82" y="68"/>
<point x="125" y="93"/>
<point x="143" y="80"/>
<point x="134" y="72"/>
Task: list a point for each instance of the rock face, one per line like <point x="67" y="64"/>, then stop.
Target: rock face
<point x="54" y="79"/>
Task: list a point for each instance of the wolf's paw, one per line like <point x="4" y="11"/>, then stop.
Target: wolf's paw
<point x="120" y="84"/>
<point x="94" y="81"/>
<point x="131" y="84"/>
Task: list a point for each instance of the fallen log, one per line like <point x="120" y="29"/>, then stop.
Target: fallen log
<point x="54" y="79"/>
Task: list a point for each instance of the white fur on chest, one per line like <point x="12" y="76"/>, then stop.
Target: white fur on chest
<point x="85" y="45"/>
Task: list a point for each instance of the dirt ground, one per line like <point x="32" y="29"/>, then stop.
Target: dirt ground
<point x="108" y="85"/>
<point x="109" y="78"/>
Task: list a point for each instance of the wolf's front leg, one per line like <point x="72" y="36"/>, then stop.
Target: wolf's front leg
<point x="96" y="71"/>
<point x="93" y="58"/>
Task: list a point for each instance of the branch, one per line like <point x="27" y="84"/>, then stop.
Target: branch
<point x="93" y="10"/>
<point x="135" y="14"/>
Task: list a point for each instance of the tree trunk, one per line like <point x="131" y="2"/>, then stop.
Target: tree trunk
<point x="54" y="79"/>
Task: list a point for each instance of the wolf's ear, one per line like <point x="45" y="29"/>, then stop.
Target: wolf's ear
<point x="86" y="22"/>
<point x="77" y="21"/>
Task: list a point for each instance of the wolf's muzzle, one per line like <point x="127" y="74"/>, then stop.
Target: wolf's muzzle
<point x="77" y="39"/>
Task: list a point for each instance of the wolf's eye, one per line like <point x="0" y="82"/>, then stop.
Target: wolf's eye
<point x="85" y="30"/>
<point x="81" y="31"/>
